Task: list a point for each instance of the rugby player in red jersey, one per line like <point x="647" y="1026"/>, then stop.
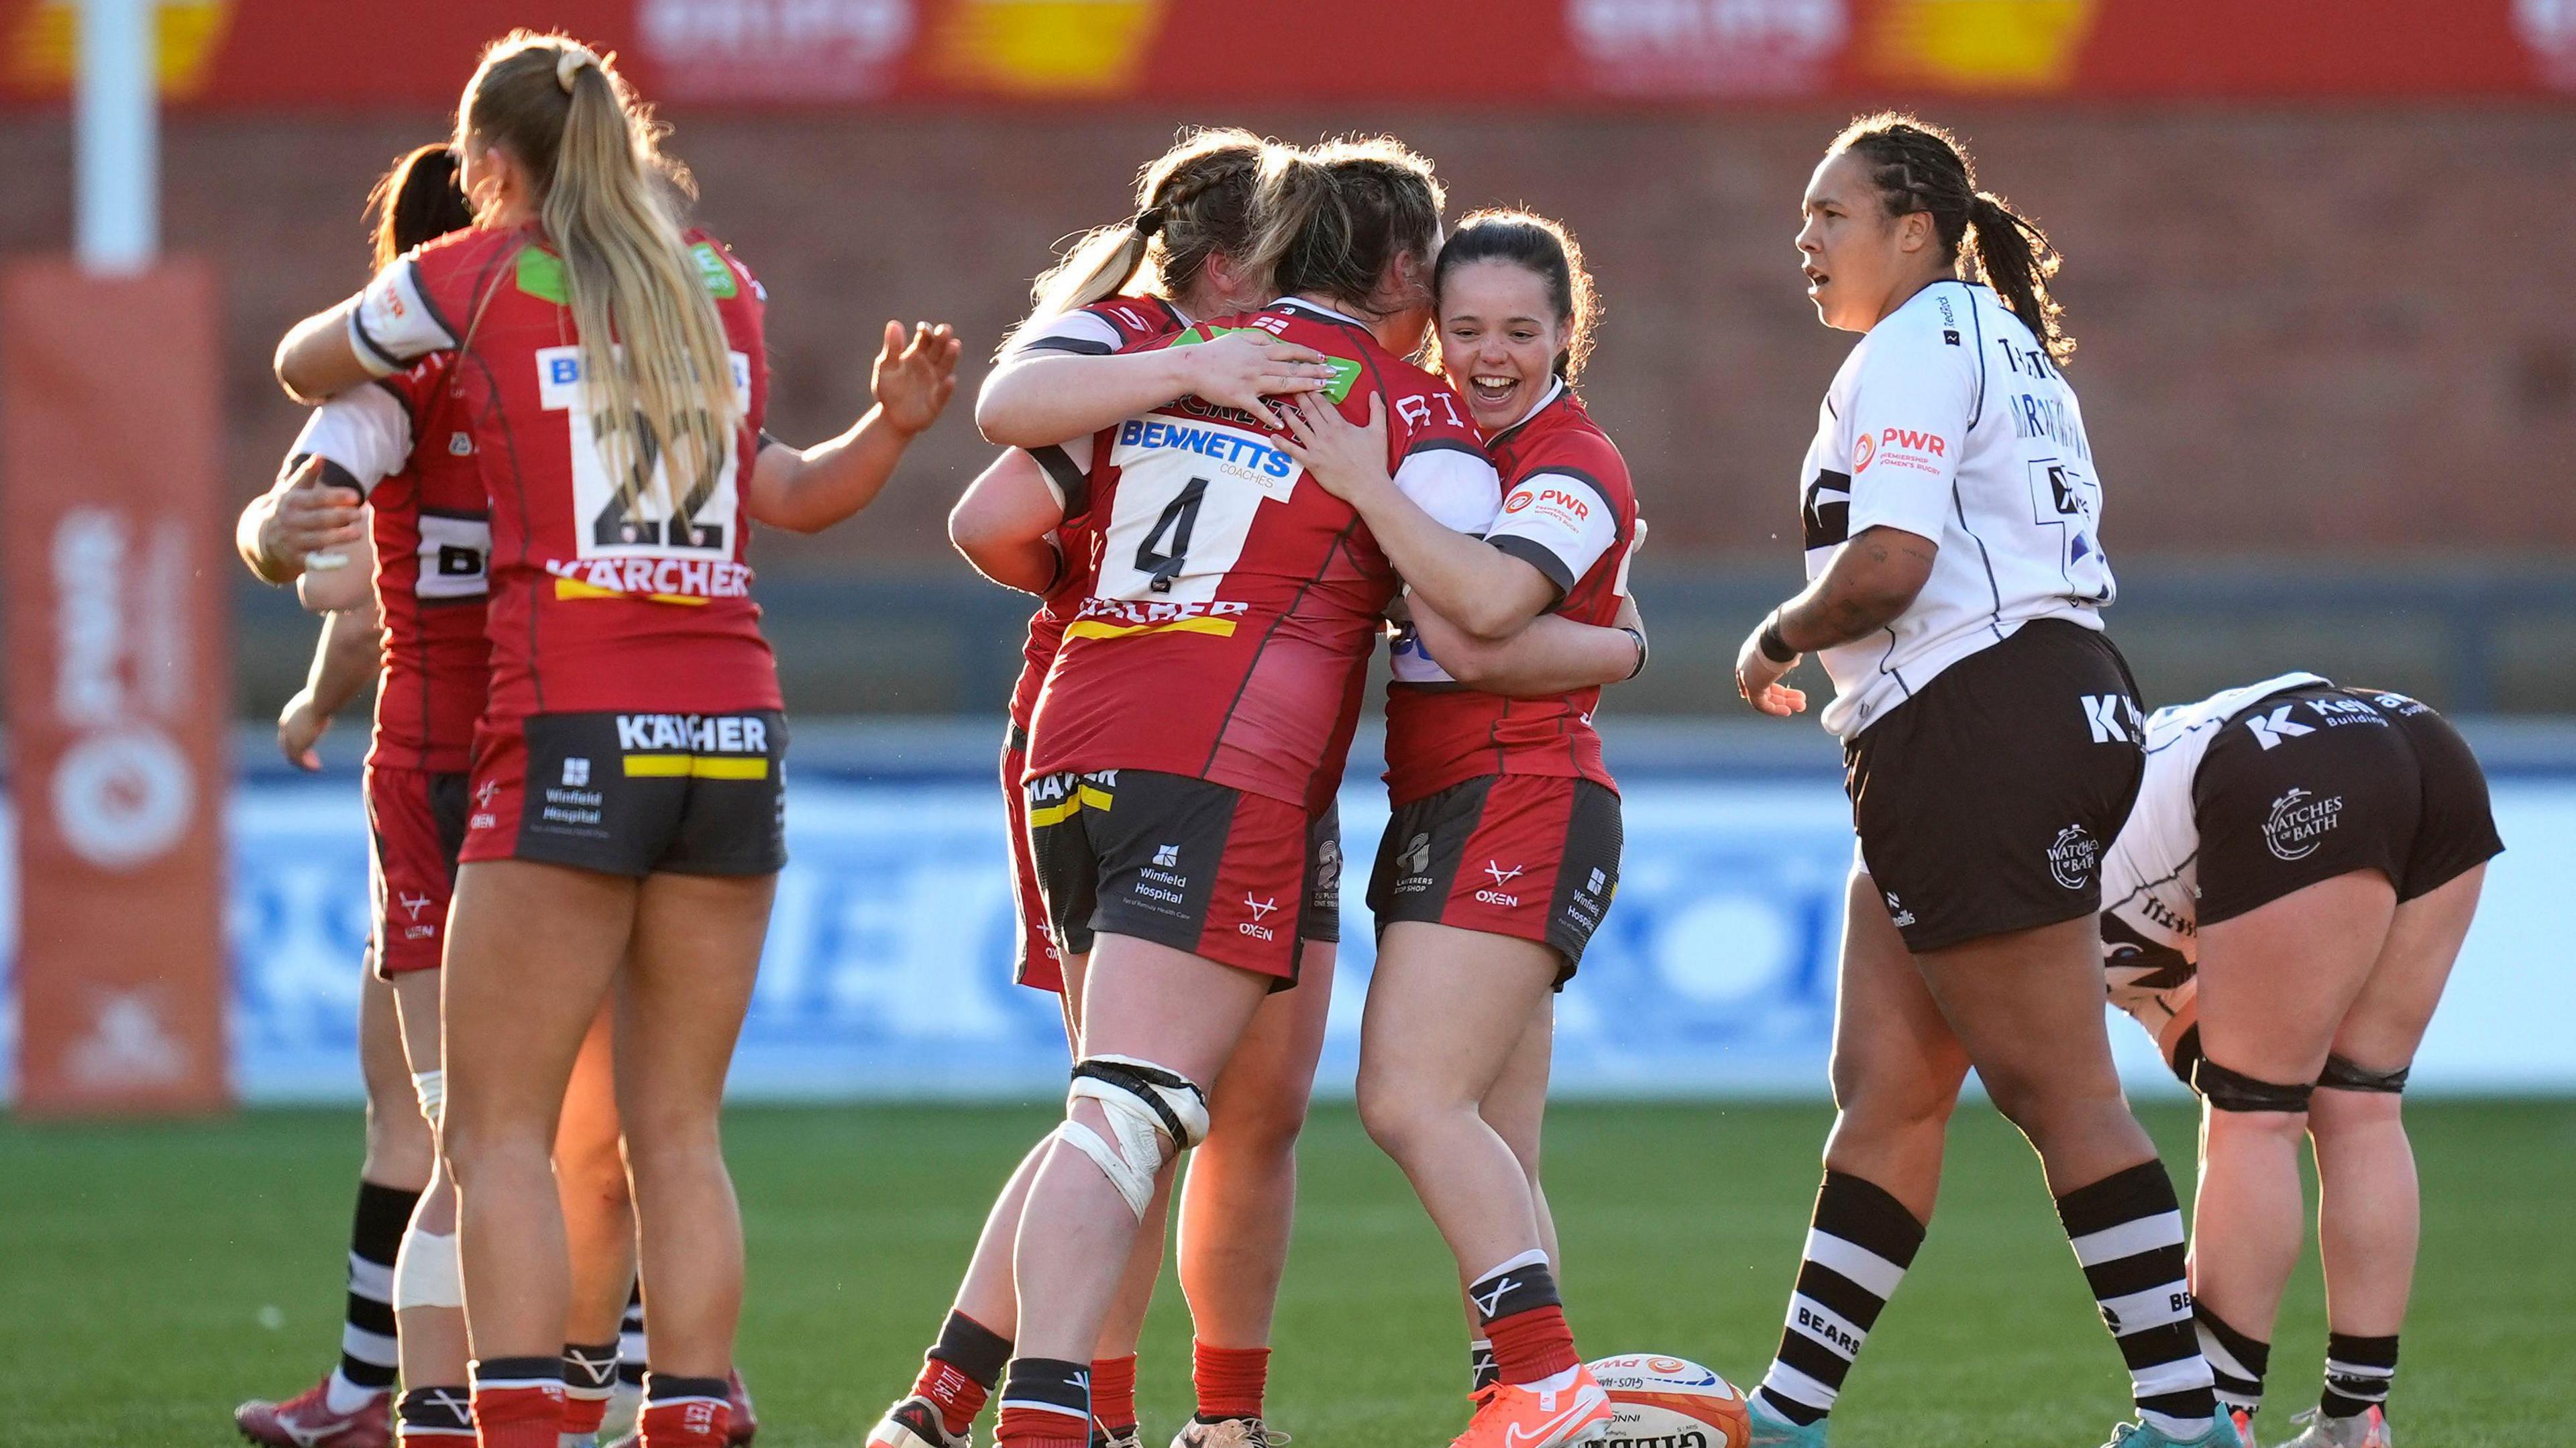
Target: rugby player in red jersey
<point x="626" y="789"/>
<point x="1194" y="706"/>
<point x="1503" y="851"/>
<point x="1023" y="523"/>
<point x="431" y="689"/>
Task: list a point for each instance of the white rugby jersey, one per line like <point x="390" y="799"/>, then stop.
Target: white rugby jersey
<point x="2151" y="877"/>
<point x="1949" y="421"/>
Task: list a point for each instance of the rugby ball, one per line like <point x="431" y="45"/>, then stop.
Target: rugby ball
<point x="1669" y="1402"/>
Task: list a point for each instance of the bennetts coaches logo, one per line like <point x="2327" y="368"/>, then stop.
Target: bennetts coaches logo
<point x="2298" y="823"/>
<point x="2072" y="856"/>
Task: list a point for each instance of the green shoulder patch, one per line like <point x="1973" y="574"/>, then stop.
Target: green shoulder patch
<point x="713" y="271"/>
<point x="541" y="274"/>
<point x="1346" y="370"/>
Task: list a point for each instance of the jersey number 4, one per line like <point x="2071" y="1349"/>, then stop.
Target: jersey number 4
<point x="1174" y="532"/>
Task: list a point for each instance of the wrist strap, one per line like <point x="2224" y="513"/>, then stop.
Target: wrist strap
<point x="1641" y="650"/>
<point x="1774" y="647"/>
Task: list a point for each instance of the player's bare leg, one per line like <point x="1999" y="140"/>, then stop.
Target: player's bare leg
<point x="1239" y="1204"/>
<point x="1515" y="1106"/>
<point x="680" y="1007"/>
<point x="351" y="1406"/>
<point x="1447" y="1010"/>
<point x="2275" y="983"/>
<point x="401" y="1150"/>
<point x="531" y="951"/>
<point x="599" y="1227"/>
<point x="1153" y="1003"/>
<point x="966" y="1363"/>
<point x="2028" y="1007"/>
<point x="2368" y="1205"/>
<point x="1897" y="1068"/>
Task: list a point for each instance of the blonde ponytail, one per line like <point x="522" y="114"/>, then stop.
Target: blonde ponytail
<point x="1193" y="202"/>
<point x="656" y="370"/>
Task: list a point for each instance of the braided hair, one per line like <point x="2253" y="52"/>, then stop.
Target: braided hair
<point x="1918" y="166"/>
<point x="1193" y="203"/>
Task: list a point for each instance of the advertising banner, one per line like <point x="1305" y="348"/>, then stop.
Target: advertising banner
<point x="887" y="970"/>
<point x="118" y="687"/>
<point x="328" y="53"/>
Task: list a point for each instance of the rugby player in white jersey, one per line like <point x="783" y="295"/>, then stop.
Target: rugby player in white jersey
<point x="2281" y="911"/>
<point x="1952" y="518"/>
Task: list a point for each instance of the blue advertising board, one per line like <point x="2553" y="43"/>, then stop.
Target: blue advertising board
<point x="886" y="972"/>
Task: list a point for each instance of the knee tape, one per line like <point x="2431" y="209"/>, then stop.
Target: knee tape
<point x="2342" y="1075"/>
<point x="2227" y="1090"/>
<point x="427" y="1272"/>
<point x="1145" y="1103"/>
<point x="431" y="1088"/>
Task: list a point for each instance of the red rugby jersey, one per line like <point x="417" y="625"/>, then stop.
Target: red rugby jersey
<point x="1570" y="511"/>
<point x="593" y="607"/>
<point x="405" y="446"/>
<point x="1235" y="600"/>
<point x="1104" y="327"/>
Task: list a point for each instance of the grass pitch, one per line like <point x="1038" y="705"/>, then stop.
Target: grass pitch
<point x="150" y="1276"/>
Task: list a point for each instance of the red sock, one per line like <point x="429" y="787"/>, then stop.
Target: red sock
<point x="1113" y="1395"/>
<point x="518" y="1415"/>
<point x="691" y="1422"/>
<point x="1039" y="1428"/>
<point x="1229" y="1380"/>
<point x="584" y="1415"/>
<point x="1532" y="1345"/>
<point x="958" y="1396"/>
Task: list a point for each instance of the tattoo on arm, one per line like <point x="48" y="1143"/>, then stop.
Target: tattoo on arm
<point x="1872" y="581"/>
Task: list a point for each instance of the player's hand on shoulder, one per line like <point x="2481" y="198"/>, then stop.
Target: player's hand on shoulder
<point x="914" y="379"/>
<point x="1345" y="458"/>
<point x="1241" y="368"/>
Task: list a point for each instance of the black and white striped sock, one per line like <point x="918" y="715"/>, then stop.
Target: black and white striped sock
<point x="1858" y="1247"/>
<point x="630" y="1342"/>
<point x="368" y="1355"/>
<point x="2127" y="1233"/>
<point x="2237" y="1362"/>
<point x="2359" y="1373"/>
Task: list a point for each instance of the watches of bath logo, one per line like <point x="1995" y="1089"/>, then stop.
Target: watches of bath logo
<point x="2298" y="823"/>
<point x="2072" y="856"/>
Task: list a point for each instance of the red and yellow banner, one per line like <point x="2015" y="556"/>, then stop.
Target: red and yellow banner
<point x="118" y="686"/>
<point x="1496" y="53"/>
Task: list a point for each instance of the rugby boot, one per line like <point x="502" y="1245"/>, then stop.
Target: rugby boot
<point x="1228" y="1433"/>
<point x="1767" y="1429"/>
<point x="306" y="1421"/>
<point x="2365" y="1429"/>
<point x="2222" y="1434"/>
<point x="915" y="1423"/>
<point x="1520" y="1415"/>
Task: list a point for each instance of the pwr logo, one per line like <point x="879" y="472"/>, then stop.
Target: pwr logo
<point x="1904" y="447"/>
<point x="1564" y="502"/>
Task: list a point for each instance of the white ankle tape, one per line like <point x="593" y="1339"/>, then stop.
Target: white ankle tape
<point x="431" y="1088"/>
<point x="427" y="1272"/>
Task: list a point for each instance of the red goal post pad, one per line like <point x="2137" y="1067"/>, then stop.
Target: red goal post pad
<point x="119" y="685"/>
